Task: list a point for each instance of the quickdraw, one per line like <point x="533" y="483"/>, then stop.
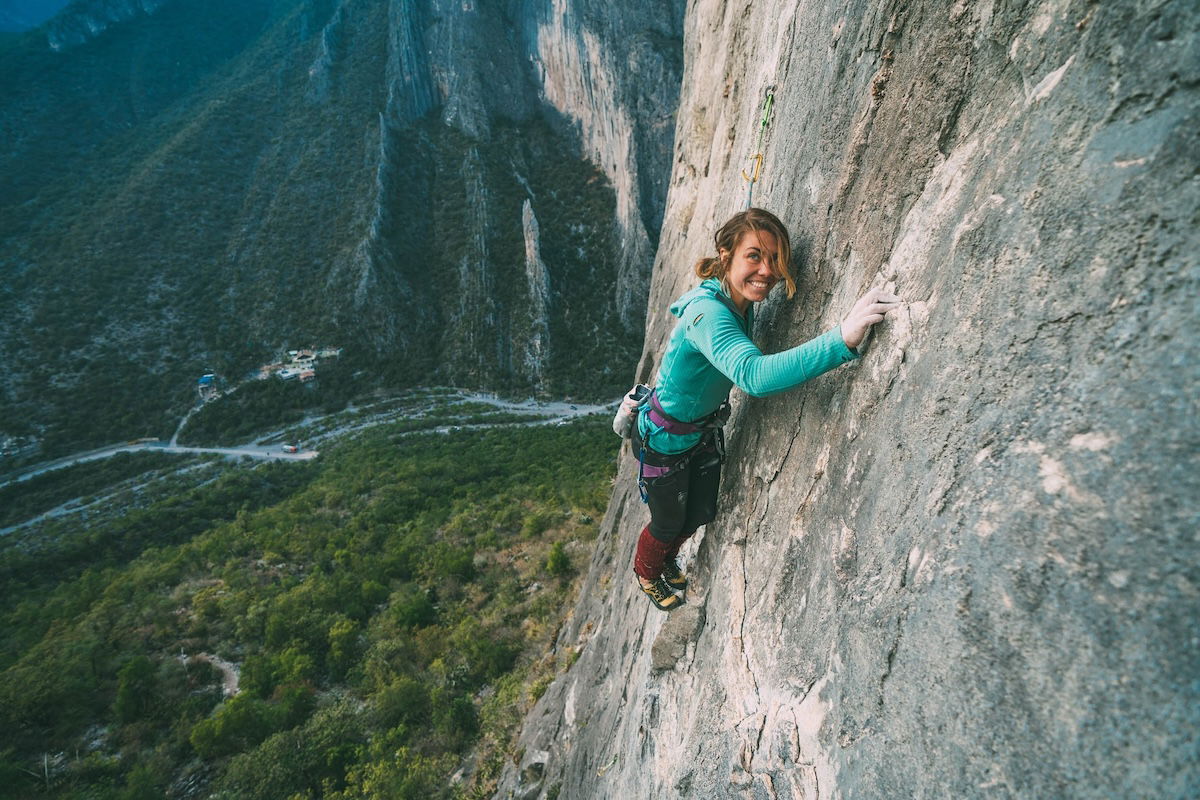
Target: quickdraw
<point x="757" y="158"/>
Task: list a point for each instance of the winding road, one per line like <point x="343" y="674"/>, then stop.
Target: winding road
<point x="552" y="413"/>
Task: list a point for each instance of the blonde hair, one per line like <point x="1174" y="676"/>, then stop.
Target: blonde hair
<point x="731" y="233"/>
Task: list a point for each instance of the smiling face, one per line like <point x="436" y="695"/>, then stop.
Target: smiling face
<point x="752" y="271"/>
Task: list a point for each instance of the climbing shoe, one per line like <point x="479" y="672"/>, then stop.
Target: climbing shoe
<point x="673" y="575"/>
<point x="661" y="595"/>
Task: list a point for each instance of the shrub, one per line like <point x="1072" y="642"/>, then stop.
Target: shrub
<point x="454" y="719"/>
<point x="558" y="563"/>
<point x="537" y="523"/>
<point x="136" y="689"/>
<point x="411" y="607"/>
<point x="242" y="722"/>
<point x="406" y="701"/>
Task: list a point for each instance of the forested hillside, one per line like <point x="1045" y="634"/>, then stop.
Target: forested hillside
<point x="371" y="624"/>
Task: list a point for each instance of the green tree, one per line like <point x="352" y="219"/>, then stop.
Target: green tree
<point x="455" y="721"/>
<point x="411" y="607"/>
<point x="142" y="783"/>
<point x="137" y="687"/>
<point x="242" y="722"/>
<point x="344" y="646"/>
<point x="406" y="701"/>
<point x="558" y="563"/>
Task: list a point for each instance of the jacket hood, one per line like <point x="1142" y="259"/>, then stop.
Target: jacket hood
<point x="707" y="288"/>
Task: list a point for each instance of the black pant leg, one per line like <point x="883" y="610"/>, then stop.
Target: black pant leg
<point x="668" y="498"/>
<point x="703" y="482"/>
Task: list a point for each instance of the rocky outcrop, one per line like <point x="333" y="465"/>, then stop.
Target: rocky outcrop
<point x="964" y="566"/>
<point x="330" y="47"/>
<point x="614" y="76"/>
<point x="86" y="19"/>
<point x="537" y="351"/>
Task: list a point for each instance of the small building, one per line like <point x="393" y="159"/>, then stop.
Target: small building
<point x="307" y="375"/>
<point x="288" y="373"/>
<point x="206" y="387"/>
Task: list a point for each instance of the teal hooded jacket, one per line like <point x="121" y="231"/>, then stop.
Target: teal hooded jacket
<point x="710" y="351"/>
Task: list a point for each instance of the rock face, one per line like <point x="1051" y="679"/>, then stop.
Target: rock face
<point x="613" y="75"/>
<point x="606" y="80"/>
<point x="966" y="565"/>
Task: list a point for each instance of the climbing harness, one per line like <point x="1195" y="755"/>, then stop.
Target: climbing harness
<point x="757" y="158"/>
<point x="712" y="442"/>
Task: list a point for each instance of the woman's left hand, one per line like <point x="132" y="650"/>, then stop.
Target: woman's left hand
<point x="870" y="309"/>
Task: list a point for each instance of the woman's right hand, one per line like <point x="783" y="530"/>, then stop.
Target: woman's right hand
<point x="871" y="308"/>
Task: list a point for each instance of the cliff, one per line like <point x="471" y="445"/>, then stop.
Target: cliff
<point x="966" y="565"/>
<point x="190" y="186"/>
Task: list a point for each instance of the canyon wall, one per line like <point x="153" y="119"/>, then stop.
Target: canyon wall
<point x="615" y="76"/>
<point x="605" y="81"/>
<point x="191" y="186"/>
<point x="965" y="565"/>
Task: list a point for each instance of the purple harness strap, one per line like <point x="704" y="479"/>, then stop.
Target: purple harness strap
<point x="671" y="425"/>
<point x="650" y="471"/>
<point x="668" y="423"/>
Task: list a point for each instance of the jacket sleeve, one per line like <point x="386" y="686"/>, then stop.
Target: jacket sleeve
<point x="714" y="331"/>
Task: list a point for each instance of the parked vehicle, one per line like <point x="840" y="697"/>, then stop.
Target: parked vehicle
<point x="291" y="448"/>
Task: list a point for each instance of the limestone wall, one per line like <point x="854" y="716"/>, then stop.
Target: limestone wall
<point x="965" y="566"/>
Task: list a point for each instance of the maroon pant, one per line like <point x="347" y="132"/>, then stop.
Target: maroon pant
<point x="652" y="552"/>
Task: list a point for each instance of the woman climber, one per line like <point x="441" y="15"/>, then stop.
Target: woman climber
<point x="676" y="432"/>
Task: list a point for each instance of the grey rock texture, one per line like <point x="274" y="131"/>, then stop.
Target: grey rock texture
<point x="614" y="74"/>
<point x="966" y="565"/>
<point x="538" y="278"/>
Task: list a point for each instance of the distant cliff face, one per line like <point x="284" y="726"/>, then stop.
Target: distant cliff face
<point x="615" y="75"/>
<point x="190" y="186"/>
<point x="601" y="83"/>
<point x="965" y="566"/>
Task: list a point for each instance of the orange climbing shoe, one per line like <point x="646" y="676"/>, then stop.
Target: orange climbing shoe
<point x="661" y="595"/>
<point x="673" y="575"/>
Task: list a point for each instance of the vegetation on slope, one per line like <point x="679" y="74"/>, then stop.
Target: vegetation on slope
<point x="390" y="606"/>
<point x="25" y="499"/>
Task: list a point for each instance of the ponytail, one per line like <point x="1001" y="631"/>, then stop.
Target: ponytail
<point x="710" y="267"/>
